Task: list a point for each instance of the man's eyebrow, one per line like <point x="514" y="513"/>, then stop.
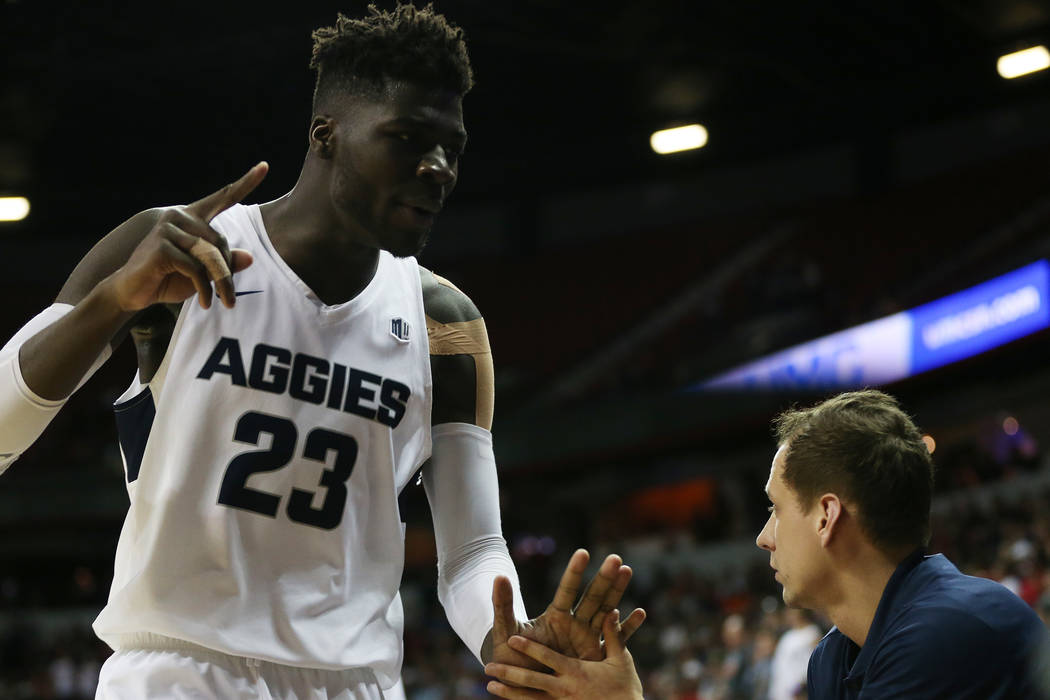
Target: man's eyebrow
<point x="428" y="123"/>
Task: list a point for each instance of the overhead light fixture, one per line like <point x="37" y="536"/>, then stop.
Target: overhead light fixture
<point x="1018" y="63"/>
<point x="13" y="208"/>
<point x="680" y="138"/>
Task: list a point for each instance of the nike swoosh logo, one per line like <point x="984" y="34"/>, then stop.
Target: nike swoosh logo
<point x="254" y="291"/>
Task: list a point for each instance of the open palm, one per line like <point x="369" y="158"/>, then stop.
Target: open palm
<point x="573" y="632"/>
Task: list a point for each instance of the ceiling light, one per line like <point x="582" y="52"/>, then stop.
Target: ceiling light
<point x="1018" y="63"/>
<point x="681" y="138"/>
<point x="13" y="208"/>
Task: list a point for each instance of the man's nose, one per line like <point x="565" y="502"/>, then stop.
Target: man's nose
<point x="434" y="166"/>
<point x="765" y="537"/>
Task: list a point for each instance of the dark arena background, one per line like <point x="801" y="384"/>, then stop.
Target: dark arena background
<point x="865" y="164"/>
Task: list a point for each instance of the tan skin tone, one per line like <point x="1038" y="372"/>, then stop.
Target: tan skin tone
<point x="822" y="557"/>
<point x="377" y="171"/>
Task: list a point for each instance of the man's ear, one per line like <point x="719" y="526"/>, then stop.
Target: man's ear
<point x="829" y="515"/>
<point x="322" y="136"/>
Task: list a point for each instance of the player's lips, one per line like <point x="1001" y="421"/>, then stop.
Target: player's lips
<point x="416" y="217"/>
<point x="425" y="206"/>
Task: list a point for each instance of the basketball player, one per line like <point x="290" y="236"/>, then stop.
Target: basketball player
<point x="851" y="487"/>
<point x="265" y="443"/>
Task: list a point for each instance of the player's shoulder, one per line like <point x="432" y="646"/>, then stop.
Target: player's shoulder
<point x="443" y="301"/>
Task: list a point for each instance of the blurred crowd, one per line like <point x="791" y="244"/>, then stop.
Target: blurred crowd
<point x="710" y="635"/>
<point x="731" y="638"/>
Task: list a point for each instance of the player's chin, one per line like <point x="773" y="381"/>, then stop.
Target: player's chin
<point x="407" y="243"/>
<point x="407" y="230"/>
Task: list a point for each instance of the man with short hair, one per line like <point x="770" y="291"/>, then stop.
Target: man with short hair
<point x="265" y="444"/>
<point x="851" y="487"/>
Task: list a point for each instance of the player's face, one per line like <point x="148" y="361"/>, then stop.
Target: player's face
<point x="397" y="159"/>
<point x="791" y="538"/>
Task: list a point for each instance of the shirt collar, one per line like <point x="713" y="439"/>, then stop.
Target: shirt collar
<point x="884" y="613"/>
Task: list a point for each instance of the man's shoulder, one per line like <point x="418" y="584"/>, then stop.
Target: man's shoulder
<point x="955" y="619"/>
<point x="953" y="600"/>
<point x="973" y="640"/>
<point x="443" y="301"/>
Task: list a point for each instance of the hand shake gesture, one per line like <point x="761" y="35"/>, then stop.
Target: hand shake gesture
<point x="576" y="632"/>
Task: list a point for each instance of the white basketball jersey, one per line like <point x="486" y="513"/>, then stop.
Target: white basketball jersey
<point x="264" y="461"/>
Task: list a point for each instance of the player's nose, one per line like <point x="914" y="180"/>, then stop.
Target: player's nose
<point x="434" y="166"/>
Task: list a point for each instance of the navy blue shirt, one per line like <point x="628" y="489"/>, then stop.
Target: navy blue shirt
<point x="937" y="633"/>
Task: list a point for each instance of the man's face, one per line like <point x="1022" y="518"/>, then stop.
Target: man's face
<point x="396" y="160"/>
<point x="790" y="536"/>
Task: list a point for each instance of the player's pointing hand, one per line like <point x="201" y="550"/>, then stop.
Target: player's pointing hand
<point x="183" y="255"/>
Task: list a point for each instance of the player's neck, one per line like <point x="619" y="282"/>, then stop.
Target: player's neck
<point x="860" y="586"/>
<point x="331" y="262"/>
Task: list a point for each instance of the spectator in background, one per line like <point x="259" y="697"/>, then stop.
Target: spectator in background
<point x="756" y="677"/>
<point x="788" y="673"/>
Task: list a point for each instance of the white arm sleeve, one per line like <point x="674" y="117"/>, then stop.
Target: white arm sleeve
<point x="23" y="414"/>
<point x="463" y="491"/>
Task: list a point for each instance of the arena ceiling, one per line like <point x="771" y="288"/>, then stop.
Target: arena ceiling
<point x="108" y="108"/>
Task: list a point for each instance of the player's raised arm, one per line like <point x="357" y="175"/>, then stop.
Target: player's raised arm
<point x="157" y="256"/>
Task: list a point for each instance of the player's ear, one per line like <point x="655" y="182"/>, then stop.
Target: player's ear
<point x="322" y="136"/>
<point x="828" y="517"/>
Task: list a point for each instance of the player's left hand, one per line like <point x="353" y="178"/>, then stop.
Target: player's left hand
<point x="615" y="678"/>
<point x="574" y="632"/>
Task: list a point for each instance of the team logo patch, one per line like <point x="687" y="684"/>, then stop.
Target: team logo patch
<point x="399" y="329"/>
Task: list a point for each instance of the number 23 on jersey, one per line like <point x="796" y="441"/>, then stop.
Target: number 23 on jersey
<point x="236" y="493"/>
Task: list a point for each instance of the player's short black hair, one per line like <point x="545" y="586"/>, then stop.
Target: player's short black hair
<point x="408" y="43"/>
<point x="863" y="447"/>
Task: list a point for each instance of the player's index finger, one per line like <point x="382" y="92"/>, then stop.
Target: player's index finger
<point x="219" y="201"/>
